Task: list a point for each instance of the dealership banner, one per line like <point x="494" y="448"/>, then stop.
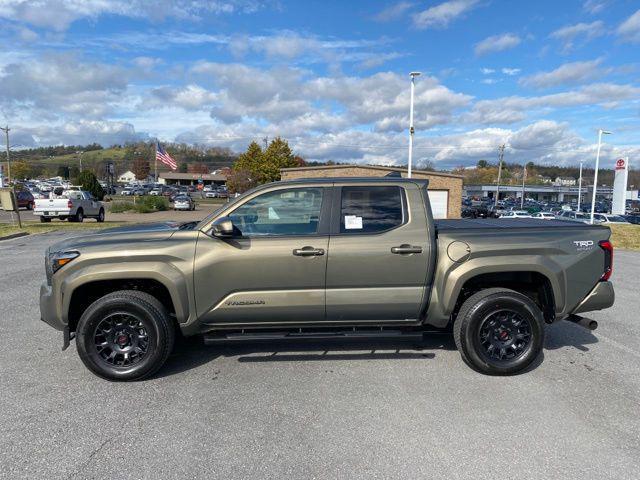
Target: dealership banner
<point x="620" y="186"/>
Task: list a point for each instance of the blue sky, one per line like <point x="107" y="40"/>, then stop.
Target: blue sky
<point x="331" y="77"/>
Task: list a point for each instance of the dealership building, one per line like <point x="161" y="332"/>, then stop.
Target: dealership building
<point x="445" y="190"/>
<point x="176" y="178"/>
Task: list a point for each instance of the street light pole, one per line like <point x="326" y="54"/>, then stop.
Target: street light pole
<point x="411" y="129"/>
<point x="6" y="132"/>
<point x="595" y="174"/>
<point x="580" y="187"/>
<point x="524" y="176"/>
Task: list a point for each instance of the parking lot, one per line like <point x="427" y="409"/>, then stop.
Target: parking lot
<point x="329" y="410"/>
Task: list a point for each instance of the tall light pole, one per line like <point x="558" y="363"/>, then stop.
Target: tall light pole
<point x="6" y="132"/>
<point x="413" y="76"/>
<point x="595" y="174"/>
<point x="580" y="186"/>
<point x="524" y="177"/>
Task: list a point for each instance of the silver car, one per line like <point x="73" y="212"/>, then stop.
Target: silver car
<point x="184" y="202"/>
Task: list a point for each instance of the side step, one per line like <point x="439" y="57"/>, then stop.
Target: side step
<point x="249" y="336"/>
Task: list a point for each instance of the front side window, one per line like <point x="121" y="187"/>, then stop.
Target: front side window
<point x="294" y="211"/>
<point x="370" y="209"/>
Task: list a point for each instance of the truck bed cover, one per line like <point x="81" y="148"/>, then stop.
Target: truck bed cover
<point x="503" y="223"/>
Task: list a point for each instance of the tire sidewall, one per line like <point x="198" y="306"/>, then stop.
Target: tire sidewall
<point x="85" y="338"/>
<point x="473" y="322"/>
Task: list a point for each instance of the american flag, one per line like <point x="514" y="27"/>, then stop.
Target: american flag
<point x="164" y="157"/>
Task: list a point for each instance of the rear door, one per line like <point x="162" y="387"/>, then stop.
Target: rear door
<point x="379" y="254"/>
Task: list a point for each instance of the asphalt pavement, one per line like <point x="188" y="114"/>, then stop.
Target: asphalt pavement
<point x="329" y="410"/>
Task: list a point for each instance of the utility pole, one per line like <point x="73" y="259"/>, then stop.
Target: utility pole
<point x="500" y="157"/>
<point x="6" y="132"/>
<point x="524" y="176"/>
<point x="595" y="173"/>
<point x="266" y="141"/>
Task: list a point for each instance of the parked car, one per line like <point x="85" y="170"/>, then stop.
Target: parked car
<point x="211" y="194"/>
<point x="572" y="216"/>
<point x="72" y="205"/>
<point x="608" y="218"/>
<point x="184" y="202"/>
<point x="127" y="191"/>
<point x="633" y="218"/>
<point x="516" y="214"/>
<point x="25" y="199"/>
<point x="282" y="262"/>
<point x="544" y="215"/>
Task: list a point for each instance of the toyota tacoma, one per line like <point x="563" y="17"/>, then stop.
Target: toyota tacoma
<point x="325" y="258"/>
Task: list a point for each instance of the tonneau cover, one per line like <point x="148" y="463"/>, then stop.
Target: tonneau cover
<point x="499" y="223"/>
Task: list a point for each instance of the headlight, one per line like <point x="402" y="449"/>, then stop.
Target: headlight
<point x="57" y="260"/>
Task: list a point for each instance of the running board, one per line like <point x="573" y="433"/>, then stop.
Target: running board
<point x="248" y="336"/>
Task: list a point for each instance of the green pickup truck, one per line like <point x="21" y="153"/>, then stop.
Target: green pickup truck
<point x="325" y="258"/>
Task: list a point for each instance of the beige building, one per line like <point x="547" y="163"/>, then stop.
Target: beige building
<point x="445" y="190"/>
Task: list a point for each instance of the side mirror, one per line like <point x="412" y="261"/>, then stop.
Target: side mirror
<point x="222" y="228"/>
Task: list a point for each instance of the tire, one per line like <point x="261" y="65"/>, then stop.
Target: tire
<point x="79" y="216"/>
<point x="100" y="217"/>
<point x="45" y="220"/>
<point x="144" y="312"/>
<point x="499" y="331"/>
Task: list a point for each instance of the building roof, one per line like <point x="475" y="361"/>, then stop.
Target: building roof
<point x="192" y="176"/>
<point x="369" y="167"/>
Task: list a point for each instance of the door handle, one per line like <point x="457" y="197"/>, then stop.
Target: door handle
<point x="405" y="249"/>
<point x="308" y="252"/>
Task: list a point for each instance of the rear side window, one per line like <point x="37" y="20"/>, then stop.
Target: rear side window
<point x="370" y="209"/>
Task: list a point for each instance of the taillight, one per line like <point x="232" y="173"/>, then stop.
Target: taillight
<point x="69" y="204"/>
<point x="608" y="259"/>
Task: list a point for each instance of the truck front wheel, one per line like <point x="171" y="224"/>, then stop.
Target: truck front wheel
<point x="499" y="331"/>
<point x="125" y="335"/>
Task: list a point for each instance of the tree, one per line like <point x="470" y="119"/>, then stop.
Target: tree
<point x="20" y="170"/>
<point x="63" y="171"/>
<point x="428" y="166"/>
<point x="482" y="164"/>
<point x="90" y="183"/>
<point x="183" y="167"/>
<point x="239" y="181"/>
<point x="74" y="171"/>
<point x="197" y="168"/>
<point x="277" y="156"/>
<point x="140" y="167"/>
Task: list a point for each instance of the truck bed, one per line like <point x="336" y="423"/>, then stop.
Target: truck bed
<point x="506" y="223"/>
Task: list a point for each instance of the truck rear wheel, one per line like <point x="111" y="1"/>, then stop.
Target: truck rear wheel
<point x="44" y="219"/>
<point x="499" y="331"/>
<point x="125" y="335"/>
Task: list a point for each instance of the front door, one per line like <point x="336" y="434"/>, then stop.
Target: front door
<point x="379" y="256"/>
<point x="274" y="270"/>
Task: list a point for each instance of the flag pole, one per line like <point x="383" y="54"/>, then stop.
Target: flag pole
<point x="155" y="163"/>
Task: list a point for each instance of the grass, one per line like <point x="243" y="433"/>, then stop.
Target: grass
<point x="148" y="204"/>
<point x="31" y="228"/>
<point x="626" y="237"/>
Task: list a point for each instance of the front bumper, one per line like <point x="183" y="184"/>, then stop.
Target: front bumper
<point x="48" y="309"/>
<point x="602" y="296"/>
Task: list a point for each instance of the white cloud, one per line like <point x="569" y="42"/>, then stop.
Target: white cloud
<point x="393" y="12"/>
<point x="629" y="30"/>
<point x="76" y="133"/>
<point x="570" y="33"/>
<point x="487" y="71"/>
<point x="59" y="14"/>
<point x="510" y="71"/>
<point x="515" y="108"/>
<point x="497" y="43"/>
<point x="569" y="73"/>
<point x="62" y="84"/>
<point x="441" y="15"/>
<point x="594" y="6"/>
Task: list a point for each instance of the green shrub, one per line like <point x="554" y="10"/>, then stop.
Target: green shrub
<point x="119" y="207"/>
<point x="155" y="203"/>
<point x="142" y="205"/>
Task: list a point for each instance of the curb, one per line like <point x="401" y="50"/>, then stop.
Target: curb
<point x="14" y="235"/>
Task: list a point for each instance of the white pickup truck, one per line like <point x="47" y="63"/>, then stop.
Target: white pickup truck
<point x="71" y="204"/>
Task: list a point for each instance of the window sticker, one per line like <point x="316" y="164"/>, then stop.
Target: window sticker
<point x="352" y="222"/>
